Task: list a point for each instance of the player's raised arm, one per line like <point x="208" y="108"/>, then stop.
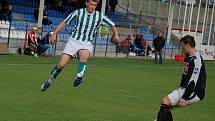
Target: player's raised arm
<point x="66" y="21"/>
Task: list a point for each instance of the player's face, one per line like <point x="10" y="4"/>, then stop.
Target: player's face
<point x="184" y="48"/>
<point x="160" y="34"/>
<point x="91" y="6"/>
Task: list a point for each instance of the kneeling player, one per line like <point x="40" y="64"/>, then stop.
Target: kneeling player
<point x="193" y="82"/>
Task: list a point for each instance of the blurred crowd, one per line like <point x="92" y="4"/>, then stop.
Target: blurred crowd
<point x="38" y="44"/>
<point x="137" y="45"/>
<point x="5" y="10"/>
<point x="61" y="4"/>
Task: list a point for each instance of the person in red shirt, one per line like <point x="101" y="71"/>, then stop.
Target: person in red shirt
<point x="33" y="37"/>
<point x="143" y="41"/>
<point x="126" y="42"/>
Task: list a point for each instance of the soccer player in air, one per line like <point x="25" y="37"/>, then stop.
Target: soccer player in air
<point x="87" y="21"/>
<point x="193" y="82"/>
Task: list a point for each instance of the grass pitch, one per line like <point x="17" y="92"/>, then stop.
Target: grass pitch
<point x="113" y="90"/>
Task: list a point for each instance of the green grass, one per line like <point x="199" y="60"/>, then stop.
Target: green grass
<point x="114" y="90"/>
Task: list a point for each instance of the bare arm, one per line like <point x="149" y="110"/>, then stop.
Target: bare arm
<point x="109" y="23"/>
<point x="115" y="34"/>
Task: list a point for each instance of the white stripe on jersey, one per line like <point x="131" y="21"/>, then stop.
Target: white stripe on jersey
<point x="78" y="26"/>
<point x="86" y="31"/>
<point x="83" y="26"/>
<point x="89" y="27"/>
<point x="108" y="22"/>
<point x="95" y="27"/>
<point x="70" y="17"/>
<point x="197" y="68"/>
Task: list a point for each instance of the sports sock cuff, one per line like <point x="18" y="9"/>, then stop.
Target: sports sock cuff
<point x="164" y="106"/>
<point x="57" y="68"/>
<point x="84" y="63"/>
<point x="55" y="72"/>
<point x="81" y="69"/>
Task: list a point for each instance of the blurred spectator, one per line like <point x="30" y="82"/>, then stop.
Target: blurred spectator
<point x="4" y="3"/>
<point x="36" y="45"/>
<point x="158" y="44"/>
<point x="81" y="3"/>
<point x="59" y="5"/>
<point x="137" y="41"/>
<point x="99" y="7"/>
<point x="126" y="41"/>
<point x="3" y="11"/>
<point x="73" y="3"/>
<point x="126" y="45"/>
<point x="144" y="43"/>
<point x="107" y="7"/>
<point x="44" y="44"/>
<point x="141" y="46"/>
<point x="138" y="47"/>
<point x="9" y="12"/>
<point x="33" y="37"/>
<point x="113" y="4"/>
<point x="6" y="11"/>
<point x="2" y="17"/>
<point x="45" y="21"/>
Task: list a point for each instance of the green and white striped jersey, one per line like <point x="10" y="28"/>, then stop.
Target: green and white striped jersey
<point x="86" y="25"/>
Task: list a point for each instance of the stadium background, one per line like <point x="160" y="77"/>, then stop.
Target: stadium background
<point x="145" y="16"/>
<point x="122" y="89"/>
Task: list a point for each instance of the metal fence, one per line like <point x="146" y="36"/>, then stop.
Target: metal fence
<point x="199" y="15"/>
<point x="16" y="38"/>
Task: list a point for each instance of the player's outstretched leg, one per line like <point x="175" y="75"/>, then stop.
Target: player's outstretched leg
<point x="80" y="72"/>
<point x="83" y="55"/>
<point x="54" y="74"/>
<point x="64" y="60"/>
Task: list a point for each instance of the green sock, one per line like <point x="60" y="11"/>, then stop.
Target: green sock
<point x="81" y="68"/>
<point x="54" y="74"/>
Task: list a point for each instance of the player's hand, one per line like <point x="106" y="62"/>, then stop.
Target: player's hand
<point x="53" y="37"/>
<point x="116" y="39"/>
<point x="182" y="103"/>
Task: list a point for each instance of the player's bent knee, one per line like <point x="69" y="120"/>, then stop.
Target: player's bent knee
<point x="84" y="55"/>
<point x="83" y="59"/>
<point x="166" y="100"/>
<point x="61" y="66"/>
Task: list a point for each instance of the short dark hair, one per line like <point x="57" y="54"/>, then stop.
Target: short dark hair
<point x="188" y="39"/>
<point x="93" y="0"/>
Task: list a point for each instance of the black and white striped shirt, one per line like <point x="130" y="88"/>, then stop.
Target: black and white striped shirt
<point x="193" y="77"/>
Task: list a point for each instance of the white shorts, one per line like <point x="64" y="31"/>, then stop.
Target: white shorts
<point x="73" y="46"/>
<point x="177" y="94"/>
